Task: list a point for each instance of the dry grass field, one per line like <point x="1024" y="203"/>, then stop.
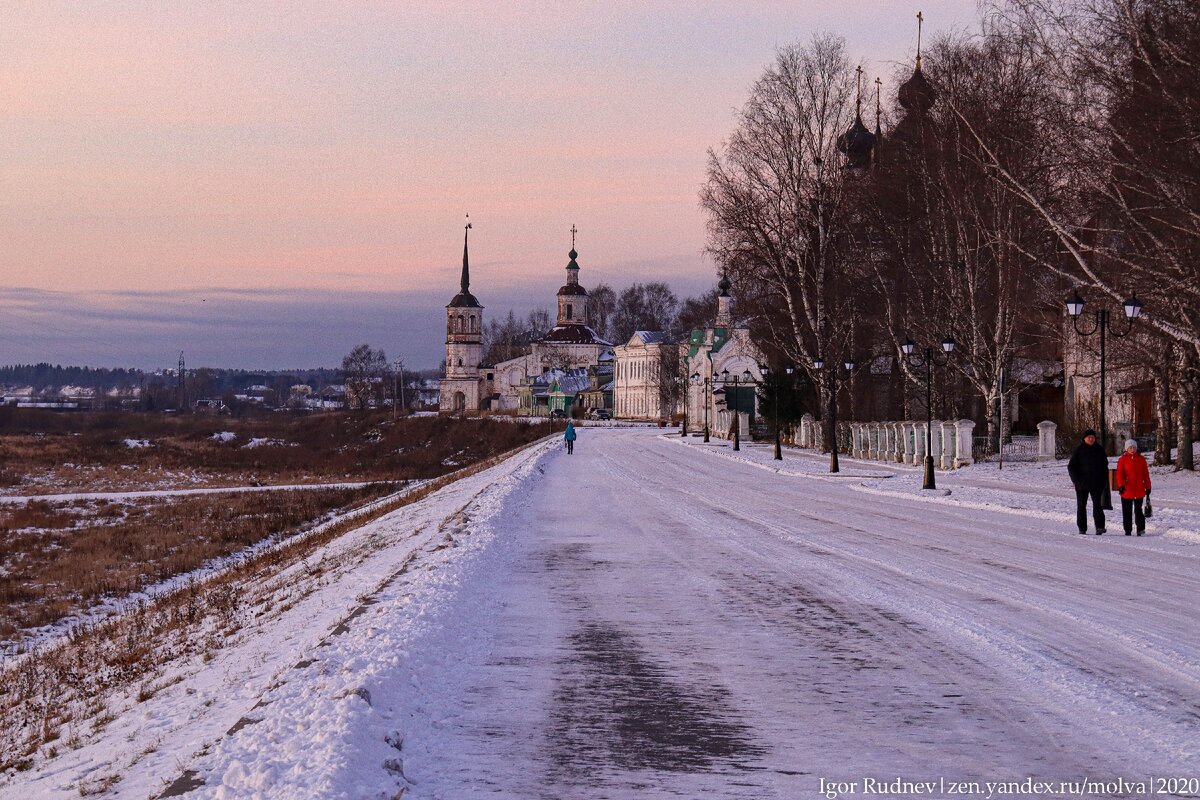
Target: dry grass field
<point x="46" y="452"/>
<point x="60" y="558"/>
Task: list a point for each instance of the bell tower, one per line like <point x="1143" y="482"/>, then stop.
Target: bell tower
<point x="572" y="298"/>
<point x="460" y="390"/>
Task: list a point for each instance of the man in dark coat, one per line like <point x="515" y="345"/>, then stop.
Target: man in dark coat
<point x="1088" y="468"/>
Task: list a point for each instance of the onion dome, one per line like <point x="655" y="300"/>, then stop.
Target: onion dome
<point x="572" y="285"/>
<point x="858" y="144"/>
<point x="916" y="93"/>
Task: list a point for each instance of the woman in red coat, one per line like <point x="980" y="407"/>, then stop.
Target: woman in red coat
<point x="1133" y="482"/>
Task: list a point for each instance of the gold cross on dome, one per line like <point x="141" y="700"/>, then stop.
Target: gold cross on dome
<point x="574" y="230"/>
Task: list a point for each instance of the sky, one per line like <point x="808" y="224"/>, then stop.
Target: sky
<point x="266" y="185"/>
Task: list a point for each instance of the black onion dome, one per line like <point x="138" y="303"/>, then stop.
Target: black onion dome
<point x="857" y="143"/>
<point x="916" y="93"/>
<point x="572" y="288"/>
<point x="723" y="285"/>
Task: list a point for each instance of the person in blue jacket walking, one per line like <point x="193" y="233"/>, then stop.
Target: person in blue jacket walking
<point x="569" y="437"/>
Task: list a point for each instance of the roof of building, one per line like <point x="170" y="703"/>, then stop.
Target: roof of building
<point x="574" y="334"/>
<point x="651" y="337"/>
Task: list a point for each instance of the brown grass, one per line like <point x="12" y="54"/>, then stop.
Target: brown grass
<point x="60" y="558"/>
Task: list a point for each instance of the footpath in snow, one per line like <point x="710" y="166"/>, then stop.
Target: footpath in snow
<point x="653" y="618"/>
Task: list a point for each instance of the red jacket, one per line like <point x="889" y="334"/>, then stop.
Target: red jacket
<point x="1133" y="475"/>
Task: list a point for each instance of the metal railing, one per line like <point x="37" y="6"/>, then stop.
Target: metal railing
<point x="1020" y="448"/>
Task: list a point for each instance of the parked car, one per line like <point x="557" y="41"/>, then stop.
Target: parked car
<point x="558" y="413"/>
<point x="600" y="413"/>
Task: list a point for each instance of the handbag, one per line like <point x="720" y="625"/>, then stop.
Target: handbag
<point x="1149" y="511"/>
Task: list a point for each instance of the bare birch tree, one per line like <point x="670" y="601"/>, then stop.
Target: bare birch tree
<point x="774" y="203"/>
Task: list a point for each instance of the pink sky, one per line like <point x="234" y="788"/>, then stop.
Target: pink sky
<point x="154" y="147"/>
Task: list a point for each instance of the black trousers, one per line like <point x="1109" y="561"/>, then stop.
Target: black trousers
<point x="570" y="446"/>
<point x="1081" y="497"/>
<point x="1131" y="510"/>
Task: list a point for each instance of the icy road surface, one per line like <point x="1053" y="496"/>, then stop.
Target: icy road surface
<point x="654" y="619"/>
<point x="659" y="622"/>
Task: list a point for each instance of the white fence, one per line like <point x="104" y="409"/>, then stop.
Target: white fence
<point x="904" y="442"/>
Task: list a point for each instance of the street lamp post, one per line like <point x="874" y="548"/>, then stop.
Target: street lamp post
<point x="707" y="388"/>
<point x="1103" y="326"/>
<point x="687" y="396"/>
<point x="929" y="360"/>
<point x="766" y="371"/>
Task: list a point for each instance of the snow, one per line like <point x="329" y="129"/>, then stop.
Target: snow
<point x="267" y="442"/>
<point x="224" y="436"/>
<point x="134" y="444"/>
<point x="656" y="617"/>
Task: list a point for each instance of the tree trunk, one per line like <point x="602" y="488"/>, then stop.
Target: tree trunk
<point x="1186" y="409"/>
<point x="1162" y="407"/>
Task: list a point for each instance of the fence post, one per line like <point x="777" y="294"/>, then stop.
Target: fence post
<point x="1124" y="432"/>
<point x="918" y="443"/>
<point x="1047" y="446"/>
<point x="949" y="440"/>
<point x="806" y="430"/>
<point x="966" y="438"/>
<point x="906" y="453"/>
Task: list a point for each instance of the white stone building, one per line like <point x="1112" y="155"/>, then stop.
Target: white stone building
<point x="638" y="376"/>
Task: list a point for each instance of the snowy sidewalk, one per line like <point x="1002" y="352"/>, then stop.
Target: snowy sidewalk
<point x="1037" y="490"/>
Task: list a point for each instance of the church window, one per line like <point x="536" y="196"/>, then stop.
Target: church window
<point x="472" y="323"/>
<point x="460" y="362"/>
<point x="568" y="310"/>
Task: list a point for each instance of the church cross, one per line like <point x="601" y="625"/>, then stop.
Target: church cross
<point x="920" y="20"/>
<point x="573" y="232"/>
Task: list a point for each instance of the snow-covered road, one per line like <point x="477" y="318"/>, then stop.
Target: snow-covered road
<point x="664" y="623"/>
<point x="645" y="619"/>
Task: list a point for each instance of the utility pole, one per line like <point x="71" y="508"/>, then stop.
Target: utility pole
<point x="182" y="385"/>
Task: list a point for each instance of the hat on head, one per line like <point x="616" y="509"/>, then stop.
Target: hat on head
<point x="1130" y="444"/>
<point x="1088" y="432"/>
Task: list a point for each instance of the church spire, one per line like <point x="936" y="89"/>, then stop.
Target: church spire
<point x="465" y="283"/>
<point x="573" y="265"/>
